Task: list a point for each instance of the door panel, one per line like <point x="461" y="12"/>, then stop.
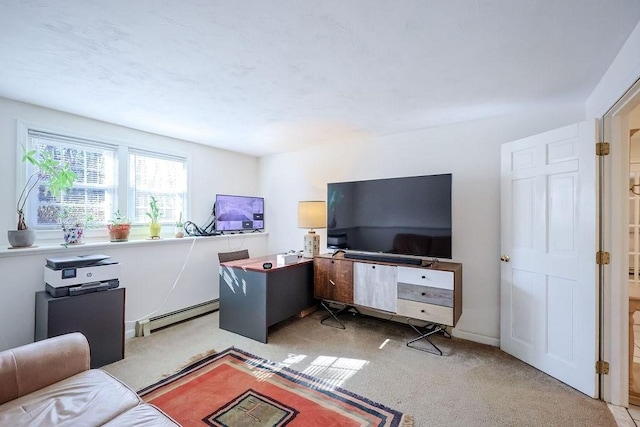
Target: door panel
<point x="548" y="285"/>
<point x="523" y="307"/>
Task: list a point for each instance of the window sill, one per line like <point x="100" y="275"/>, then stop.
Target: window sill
<point x="53" y="247"/>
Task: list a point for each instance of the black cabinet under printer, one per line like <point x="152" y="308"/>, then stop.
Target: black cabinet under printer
<point x="98" y="315"/>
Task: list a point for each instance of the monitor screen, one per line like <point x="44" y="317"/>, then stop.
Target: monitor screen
<point x="407" y="215"/>
<point x="239" y="213"/>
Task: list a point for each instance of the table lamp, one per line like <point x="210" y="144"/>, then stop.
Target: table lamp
<point x="312" y="214"/>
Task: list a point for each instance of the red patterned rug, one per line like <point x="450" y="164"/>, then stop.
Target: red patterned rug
<point x="234" y="389"/>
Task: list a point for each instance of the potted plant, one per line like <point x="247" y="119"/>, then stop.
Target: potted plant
<point x="119" y="227"/>
<point x="154" y="214"/>
<point x="180" y="227"/>
<point x="73" y="226"/>
<point x="59" y="178"/>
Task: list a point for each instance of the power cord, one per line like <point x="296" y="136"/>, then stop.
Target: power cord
<point x="175" y="283"/>
<point x="192" y="229"/>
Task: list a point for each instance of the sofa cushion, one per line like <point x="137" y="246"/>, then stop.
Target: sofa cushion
<point x="144" y="415"/>
<point x="89" y="398"/>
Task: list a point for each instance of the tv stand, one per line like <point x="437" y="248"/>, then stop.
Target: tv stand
<point x="426" y="293"/>
<point x="390" y="258"/>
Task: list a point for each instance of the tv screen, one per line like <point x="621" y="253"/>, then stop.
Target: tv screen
<point x="239" y="213"/>
<point x="406" y="216"/>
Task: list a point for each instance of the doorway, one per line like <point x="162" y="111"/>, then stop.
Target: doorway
<point x="619" y="213"/>
<point x="634" y="257"/>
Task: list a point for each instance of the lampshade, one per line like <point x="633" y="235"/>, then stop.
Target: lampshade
<point x="312" y="214"/>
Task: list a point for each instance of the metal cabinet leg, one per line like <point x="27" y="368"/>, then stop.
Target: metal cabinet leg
<point x="333" y="313"/>
<point x="430" y="328"/>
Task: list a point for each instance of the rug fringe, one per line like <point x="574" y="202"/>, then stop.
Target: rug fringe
<point x="406" y="421"/>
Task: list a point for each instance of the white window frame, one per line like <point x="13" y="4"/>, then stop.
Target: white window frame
<point x="121" y="198"/>
<point x="156" y="155"/>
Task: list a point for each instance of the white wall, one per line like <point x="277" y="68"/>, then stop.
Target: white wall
<point x="212" y="170"/>
<point x="148" y="269"/>
<point x="470" y="151"/>
<point x="152" y="272"/>
<point x="622" y="73"/>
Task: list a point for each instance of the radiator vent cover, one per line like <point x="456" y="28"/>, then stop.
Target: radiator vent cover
<point x="145" y="326"/>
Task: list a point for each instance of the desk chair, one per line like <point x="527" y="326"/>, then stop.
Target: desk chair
<point x="233" y="256"/>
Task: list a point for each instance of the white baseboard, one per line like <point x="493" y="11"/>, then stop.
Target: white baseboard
<point x="482" y="339"/>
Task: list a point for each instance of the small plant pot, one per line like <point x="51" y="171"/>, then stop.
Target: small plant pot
<point x="154" y="230"/>
<point x="179" y="232"/>
<point x="119" y="232"/>
<point x="21" y="238"/>
<point x="73" y="235"/>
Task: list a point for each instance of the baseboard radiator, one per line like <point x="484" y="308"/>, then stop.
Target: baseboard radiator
<point x="145" y="326"/>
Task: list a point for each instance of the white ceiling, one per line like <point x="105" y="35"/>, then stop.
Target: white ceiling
<point x="262" y="77"/>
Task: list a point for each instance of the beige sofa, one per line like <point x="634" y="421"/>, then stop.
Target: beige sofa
<point x="49" y="383"/>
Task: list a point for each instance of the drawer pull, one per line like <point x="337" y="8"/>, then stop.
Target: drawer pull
<point x="421" y="311"/>
<point x="332" y="282"/>
<point x="423" y="294"/>
<point x="424" y="277"/>
<point x="373" y="266"/>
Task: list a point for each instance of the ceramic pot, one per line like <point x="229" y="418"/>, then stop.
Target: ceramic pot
<point x="21" y="238"/>
<point x="73" y="235"/>
<point x="154" y="229"/>
<point x="119" y="232"/>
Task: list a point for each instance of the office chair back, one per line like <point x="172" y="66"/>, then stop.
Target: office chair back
<point x="233" y="256"/>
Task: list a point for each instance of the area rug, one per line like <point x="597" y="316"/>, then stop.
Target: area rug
<point x="234" y="388"/>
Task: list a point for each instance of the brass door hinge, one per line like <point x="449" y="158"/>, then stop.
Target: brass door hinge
<point x="602" y="367"/>
<point x="603" y="258"/>
<point x="602" y="149"/>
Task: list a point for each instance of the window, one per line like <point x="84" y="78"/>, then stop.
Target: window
<point x="94" y="189"/>
<point x="99" y="166"/>
<point x="163" y="177"/>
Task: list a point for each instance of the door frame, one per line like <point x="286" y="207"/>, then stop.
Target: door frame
<point x="613" y="224"/>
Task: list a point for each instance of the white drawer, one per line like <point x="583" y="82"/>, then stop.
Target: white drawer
<point x="431" y="313"/>
<point x="425" y="277"/>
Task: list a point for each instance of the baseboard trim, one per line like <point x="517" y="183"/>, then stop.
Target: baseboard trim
<point x="482" y="339"/>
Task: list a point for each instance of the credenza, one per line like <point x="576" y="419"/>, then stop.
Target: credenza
<point x="430" y="292"/>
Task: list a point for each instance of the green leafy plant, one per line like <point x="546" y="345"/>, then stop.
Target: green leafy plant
<point x="179" y="223"/>
<point x="155" y="213"/>
<point x="57" y="175"/>
<point x="119" y="219"/>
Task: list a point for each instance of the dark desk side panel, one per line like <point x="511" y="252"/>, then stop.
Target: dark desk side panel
<point x="242" y="302"/>
<point x="289" y="291"/>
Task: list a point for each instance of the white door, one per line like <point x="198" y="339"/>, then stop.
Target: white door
<point x="548" y="270"/>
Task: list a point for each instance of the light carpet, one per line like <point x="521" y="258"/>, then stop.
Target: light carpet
<point x="470" y="385"/>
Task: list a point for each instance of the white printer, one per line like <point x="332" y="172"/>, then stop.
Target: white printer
<point x="81" y="274"/>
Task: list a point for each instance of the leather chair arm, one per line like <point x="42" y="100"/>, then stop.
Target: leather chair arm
<point x="34" y="366"/>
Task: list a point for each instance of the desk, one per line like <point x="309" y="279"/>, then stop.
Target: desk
<point x="252" y="298"/>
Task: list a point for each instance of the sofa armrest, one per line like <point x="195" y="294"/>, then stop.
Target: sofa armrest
<point x="34" y="366"/>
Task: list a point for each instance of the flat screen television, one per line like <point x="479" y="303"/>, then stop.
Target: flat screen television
<point x="402" y="216"/>
<point x="239" y="213"/>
